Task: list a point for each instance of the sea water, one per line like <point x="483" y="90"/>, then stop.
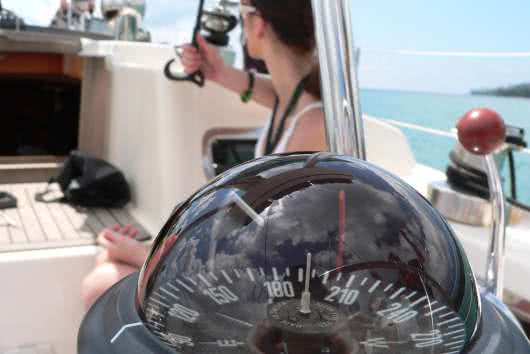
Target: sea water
<point x="442" y="111"/>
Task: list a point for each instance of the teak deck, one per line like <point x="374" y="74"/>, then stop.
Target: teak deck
<point x="34" y="225"/>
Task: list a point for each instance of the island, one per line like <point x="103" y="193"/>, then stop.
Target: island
<point x="521" y="90"/>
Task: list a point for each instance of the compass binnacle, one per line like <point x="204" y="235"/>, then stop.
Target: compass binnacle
<point x="297" y="254"/>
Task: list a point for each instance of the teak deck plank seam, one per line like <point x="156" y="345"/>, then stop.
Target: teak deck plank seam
<point x="53" y="225"/>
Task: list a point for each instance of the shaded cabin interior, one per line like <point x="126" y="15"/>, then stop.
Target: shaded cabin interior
<point x="40" y="100"/>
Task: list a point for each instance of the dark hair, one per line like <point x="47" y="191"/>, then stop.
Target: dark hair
<point x="293" y="23"/>
<point x="253" y="64"/>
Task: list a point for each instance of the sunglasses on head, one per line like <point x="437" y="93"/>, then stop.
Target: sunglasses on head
<point x="245" y="10"/>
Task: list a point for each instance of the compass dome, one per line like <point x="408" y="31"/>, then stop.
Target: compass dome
<point x="298" y="253"/>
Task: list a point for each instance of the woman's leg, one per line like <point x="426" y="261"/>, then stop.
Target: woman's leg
<point x="121" y="256"/>
<point x="103" y="277"/>
<point x="103" y="257"/>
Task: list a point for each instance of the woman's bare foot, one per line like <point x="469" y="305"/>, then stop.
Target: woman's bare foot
<point x="121" y="246"/>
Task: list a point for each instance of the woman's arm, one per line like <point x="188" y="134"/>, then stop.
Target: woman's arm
<point x="207" y="59"/>
<point x="237" y="81"/>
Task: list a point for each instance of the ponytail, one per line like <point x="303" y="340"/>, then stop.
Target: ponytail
<point x="312" y="85"/>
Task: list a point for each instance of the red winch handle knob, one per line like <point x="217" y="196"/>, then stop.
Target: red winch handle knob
<point x="481" y="131"/>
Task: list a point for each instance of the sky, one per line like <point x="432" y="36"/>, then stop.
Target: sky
<point x="384" y="27"/>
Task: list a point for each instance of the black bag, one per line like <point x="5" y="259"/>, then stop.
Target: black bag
<point x="7" y="200"/>
<point x="90" y="182"/>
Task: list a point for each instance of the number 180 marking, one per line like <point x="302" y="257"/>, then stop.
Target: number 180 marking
<point x="279" y="289"/>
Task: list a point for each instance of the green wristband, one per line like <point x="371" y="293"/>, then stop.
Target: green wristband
<point x="246" y="96"/>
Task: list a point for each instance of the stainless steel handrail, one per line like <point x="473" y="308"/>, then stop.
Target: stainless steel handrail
<point x="69" y="15"/>
<point x="338" y="68"/>
<point x="496" y="256"/>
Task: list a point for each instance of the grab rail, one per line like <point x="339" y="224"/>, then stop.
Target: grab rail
<point x="338" y="68"/>
<point x="431" y="131"/>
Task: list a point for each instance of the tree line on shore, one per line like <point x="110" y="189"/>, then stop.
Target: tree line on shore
<point x="521" y="90"/>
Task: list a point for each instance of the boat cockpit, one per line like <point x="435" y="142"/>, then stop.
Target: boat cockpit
<point x="65" y="89"/>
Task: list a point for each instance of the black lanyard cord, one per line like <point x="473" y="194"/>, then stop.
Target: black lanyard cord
<point x="272" y="142"/>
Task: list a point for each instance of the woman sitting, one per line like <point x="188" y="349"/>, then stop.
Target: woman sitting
<point x="281" y="33"/>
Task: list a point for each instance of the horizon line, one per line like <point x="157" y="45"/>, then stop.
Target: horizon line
<point x="434" y="53"/>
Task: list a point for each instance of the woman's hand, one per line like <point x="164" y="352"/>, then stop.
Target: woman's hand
<point x="205" y="58"/>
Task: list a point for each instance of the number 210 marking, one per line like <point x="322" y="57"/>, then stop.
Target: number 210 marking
<point x="347" y="296"/>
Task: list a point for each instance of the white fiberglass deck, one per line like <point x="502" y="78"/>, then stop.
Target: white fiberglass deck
<point x="34" y="225"/>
